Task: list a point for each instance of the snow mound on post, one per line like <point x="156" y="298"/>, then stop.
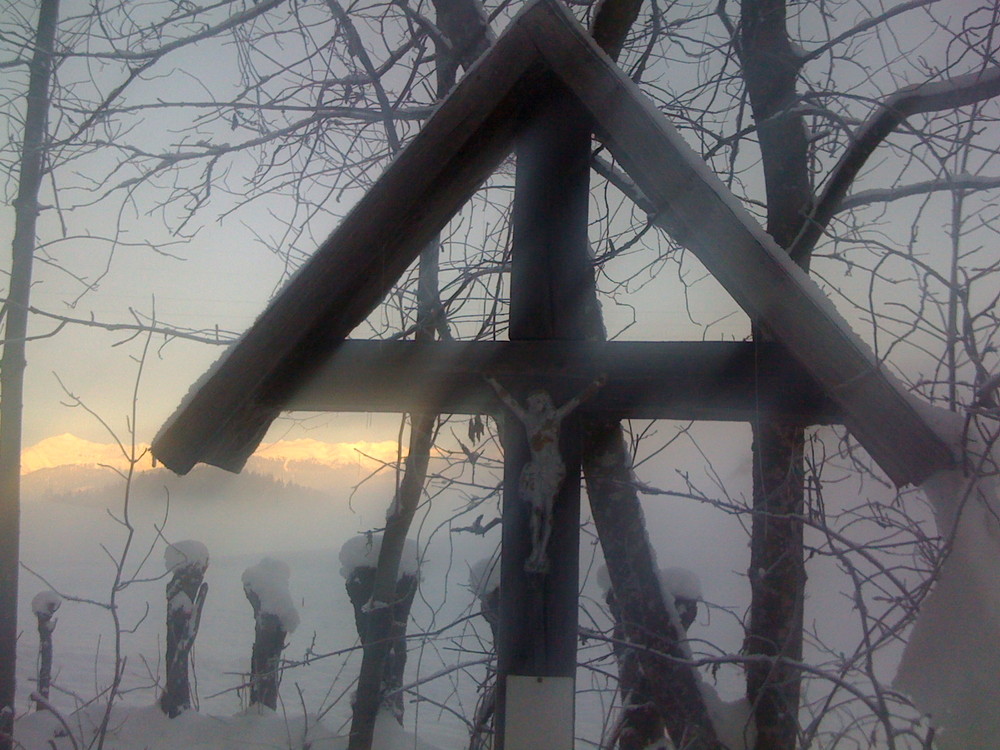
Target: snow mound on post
<point x="268" y="580"/>
<point x="951" y="662"/>
<point x="484" y="576"/>
<point x="45" y="603"/>
<point x="680" y="583"/>
<point x="189" y="553"/>
<point x="362" y="552"/>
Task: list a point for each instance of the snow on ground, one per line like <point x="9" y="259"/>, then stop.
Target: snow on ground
<point x="148" y="728"/>
<point x="951" y="664"/>
<point x="63" y="542"/>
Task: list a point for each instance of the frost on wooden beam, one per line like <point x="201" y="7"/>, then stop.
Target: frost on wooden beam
<point x="729" y="381"/>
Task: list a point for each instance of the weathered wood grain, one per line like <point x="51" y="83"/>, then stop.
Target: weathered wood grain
<point x="699" y="380"/>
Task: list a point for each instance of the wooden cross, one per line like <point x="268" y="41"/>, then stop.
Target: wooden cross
<point x="296" y="357"/>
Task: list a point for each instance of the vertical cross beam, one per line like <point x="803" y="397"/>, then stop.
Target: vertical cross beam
<point x="550" y="269"/>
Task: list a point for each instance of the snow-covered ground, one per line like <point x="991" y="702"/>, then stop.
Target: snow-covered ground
<point x="65" y="541"/>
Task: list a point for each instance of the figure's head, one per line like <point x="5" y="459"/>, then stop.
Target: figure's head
<point x="539" y="402"/>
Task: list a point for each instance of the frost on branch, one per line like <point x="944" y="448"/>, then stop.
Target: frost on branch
<point x="951" y="665"/>
<point x="266" y="587"/>
<point x="186" y="563"/>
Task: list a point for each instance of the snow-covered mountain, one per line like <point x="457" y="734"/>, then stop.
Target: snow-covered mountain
<point x="70" y="469"/>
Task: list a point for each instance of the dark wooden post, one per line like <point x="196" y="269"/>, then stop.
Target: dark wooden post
<point x="538" y="611"/>
<point x="186" y="563"/>
<point x="44" y="605"/>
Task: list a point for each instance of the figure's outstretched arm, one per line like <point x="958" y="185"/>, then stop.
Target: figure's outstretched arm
<point x="586" y="394"/>
<point x="509" y="401"/>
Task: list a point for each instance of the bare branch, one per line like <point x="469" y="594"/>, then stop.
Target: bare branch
<point x="865" y="25"/>
<point x="966" y="182"/>
<point x="918" y="99"/>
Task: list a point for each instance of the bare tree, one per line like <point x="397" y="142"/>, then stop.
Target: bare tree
<point x="12" y="365"/>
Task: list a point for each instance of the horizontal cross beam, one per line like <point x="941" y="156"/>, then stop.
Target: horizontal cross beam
<point x="725" y="381"/>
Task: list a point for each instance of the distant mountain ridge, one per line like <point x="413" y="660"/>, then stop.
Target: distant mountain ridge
<point x="66" y="468"/>
<point x="70" y="450"/>
<point x="91" y="485"/>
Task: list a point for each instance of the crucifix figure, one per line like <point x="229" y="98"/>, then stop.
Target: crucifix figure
<point x="543" y="475"/>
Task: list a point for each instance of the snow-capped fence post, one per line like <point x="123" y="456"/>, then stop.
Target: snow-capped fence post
<point x="186" y="591"/>
<point x="44" y="605"/>
<point x="266" y="587"/>
<point x="359" y="558"/>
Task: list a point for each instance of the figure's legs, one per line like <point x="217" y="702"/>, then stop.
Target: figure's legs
<point x="541" y="529"/>
<point x="540" y="483"/>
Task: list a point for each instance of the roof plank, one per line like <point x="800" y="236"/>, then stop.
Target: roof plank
<point x="225" y="415"/>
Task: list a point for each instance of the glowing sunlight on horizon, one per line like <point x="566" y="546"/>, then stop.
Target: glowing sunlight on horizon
<point x="70" y="450"/>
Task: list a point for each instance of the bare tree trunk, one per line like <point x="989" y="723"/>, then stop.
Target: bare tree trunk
<point x="645" y="621"/>
<point x="777" y="566"/>
<point x="13" y="362"/>
<point x="265" y="658"/>
<point x="674" y="700"/>
<point x="381" y="638"/>
<point x="481" y="737"/>
<point x="467" y="30"/>
<point x="382" y="626"/>
<point x="640" y="724"/>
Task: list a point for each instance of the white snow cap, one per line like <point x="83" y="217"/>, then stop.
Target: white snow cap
<point x="680" y="583"/>
<point x="950" y="665"/>
<point x="677" y="583"/>
<point x="484" y="576"/>
<point x="45" y="603"/>
<point x="268" y="579"/>
<point x="362" y="551"/>
<point x="189" y="553"/>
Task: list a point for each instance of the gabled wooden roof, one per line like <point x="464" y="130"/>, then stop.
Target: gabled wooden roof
<point x="226" y="414"/>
